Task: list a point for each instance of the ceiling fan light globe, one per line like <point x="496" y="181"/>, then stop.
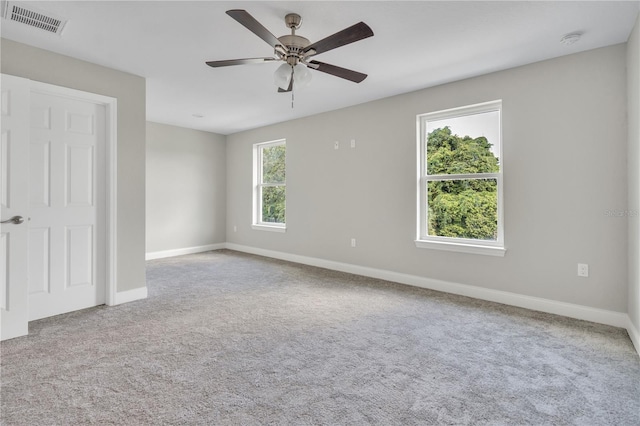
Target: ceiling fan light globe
<point x="301" y="76"/>
<point x="282" y="76"/>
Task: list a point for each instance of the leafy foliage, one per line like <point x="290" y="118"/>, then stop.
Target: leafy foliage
<point x="451" y="154"/>
<point x="273" y="204"/>
<point x="462" y="208"/>
<point x="273" y="172"/>
<point x="273" y="164"/>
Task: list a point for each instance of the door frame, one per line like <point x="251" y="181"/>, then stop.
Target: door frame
<point x="111" y="170"/>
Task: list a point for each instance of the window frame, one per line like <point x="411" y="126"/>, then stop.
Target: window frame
<point x="258" y="184"/>
<point x="465" y="245"/>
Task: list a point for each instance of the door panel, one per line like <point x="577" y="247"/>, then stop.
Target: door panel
<point x="79" y="255"/>
<point x="80" y="175"/>
<point x="4" y="271"/>
<point x="14" y="201"/>
<point x="39" y="260"/>
<point x="39" y="184"/>
<point x="4" y="167"/>
<point x="68" y="149"/>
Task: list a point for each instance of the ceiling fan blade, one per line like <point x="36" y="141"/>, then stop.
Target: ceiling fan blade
<point x="354" y="33"/>
<point x="230" y="62"/>
<point x="243" y="17"/>
<point x="347" y="74"/>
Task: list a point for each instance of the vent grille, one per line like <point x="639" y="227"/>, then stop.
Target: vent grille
<point x="28" y="15"/>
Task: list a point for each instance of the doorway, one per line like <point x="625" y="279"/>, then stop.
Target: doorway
<point x="60" y="256"/>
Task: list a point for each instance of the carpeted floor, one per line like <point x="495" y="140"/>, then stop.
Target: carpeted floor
<point x="227" y="338"/>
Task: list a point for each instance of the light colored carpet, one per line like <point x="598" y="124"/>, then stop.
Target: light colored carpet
<point x="230" y="338"/>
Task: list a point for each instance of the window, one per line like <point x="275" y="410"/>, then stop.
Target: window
<point x="460" y="172"/>
<point x="269" y="186"/>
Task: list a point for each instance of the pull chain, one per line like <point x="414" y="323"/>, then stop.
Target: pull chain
<point x="292" y="76"/>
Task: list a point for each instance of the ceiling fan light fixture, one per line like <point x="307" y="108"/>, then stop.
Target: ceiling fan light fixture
<point x="282" y="76"/>
<point x="301" y="76"/>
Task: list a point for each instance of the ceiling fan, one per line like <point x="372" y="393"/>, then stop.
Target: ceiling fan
<point x="296" y="51"/>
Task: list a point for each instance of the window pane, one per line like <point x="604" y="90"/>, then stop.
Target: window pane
<point x="273" y="204"/>
<point x="463" y="208"/>
<point x="464" y="145"/>
<point x="273" y="164"/>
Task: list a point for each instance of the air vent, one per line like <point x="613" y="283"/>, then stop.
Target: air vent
<point x="28" y="15"/>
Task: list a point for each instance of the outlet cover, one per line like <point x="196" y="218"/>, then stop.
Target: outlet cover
<point x="583" y="270"/>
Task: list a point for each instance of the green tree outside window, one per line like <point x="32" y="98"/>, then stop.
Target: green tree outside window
<point x="273" y="187"/>
<point x="461" y="208"/>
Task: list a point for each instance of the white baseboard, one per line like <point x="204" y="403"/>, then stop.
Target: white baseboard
<point x="130" y="295"/>
<point x="181" y="251"/>
<point x="634" y="334"/>
<point x="601" y="316"/>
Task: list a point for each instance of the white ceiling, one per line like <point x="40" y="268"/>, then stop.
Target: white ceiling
<point x="417" y="44"/>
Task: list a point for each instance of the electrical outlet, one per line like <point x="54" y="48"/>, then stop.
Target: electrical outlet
<point x="353" y="143"/>
<point x="336" y="145"/>
<point x="235" y="228"/>
<point x="583" y="270"/>
<point x="353" y="242"/>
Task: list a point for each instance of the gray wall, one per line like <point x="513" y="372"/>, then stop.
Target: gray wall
<point x="564" y="137"/>
<point x="186" y="188"/>
<point x="633" y="113"/>
<point x="45" y="66"/>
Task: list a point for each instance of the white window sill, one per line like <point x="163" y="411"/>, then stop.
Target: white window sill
<point x="272" y="228"/>
<point x="462" y="248"/>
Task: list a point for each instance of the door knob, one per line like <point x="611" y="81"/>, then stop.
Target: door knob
<point x="16" y="220"/>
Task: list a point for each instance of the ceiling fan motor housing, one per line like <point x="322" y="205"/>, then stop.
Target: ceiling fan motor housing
<point x="294" y="44"/>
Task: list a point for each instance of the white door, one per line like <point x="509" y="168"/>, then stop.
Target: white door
<point x="66" y="205"/>
<point x="14" y="144"/>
